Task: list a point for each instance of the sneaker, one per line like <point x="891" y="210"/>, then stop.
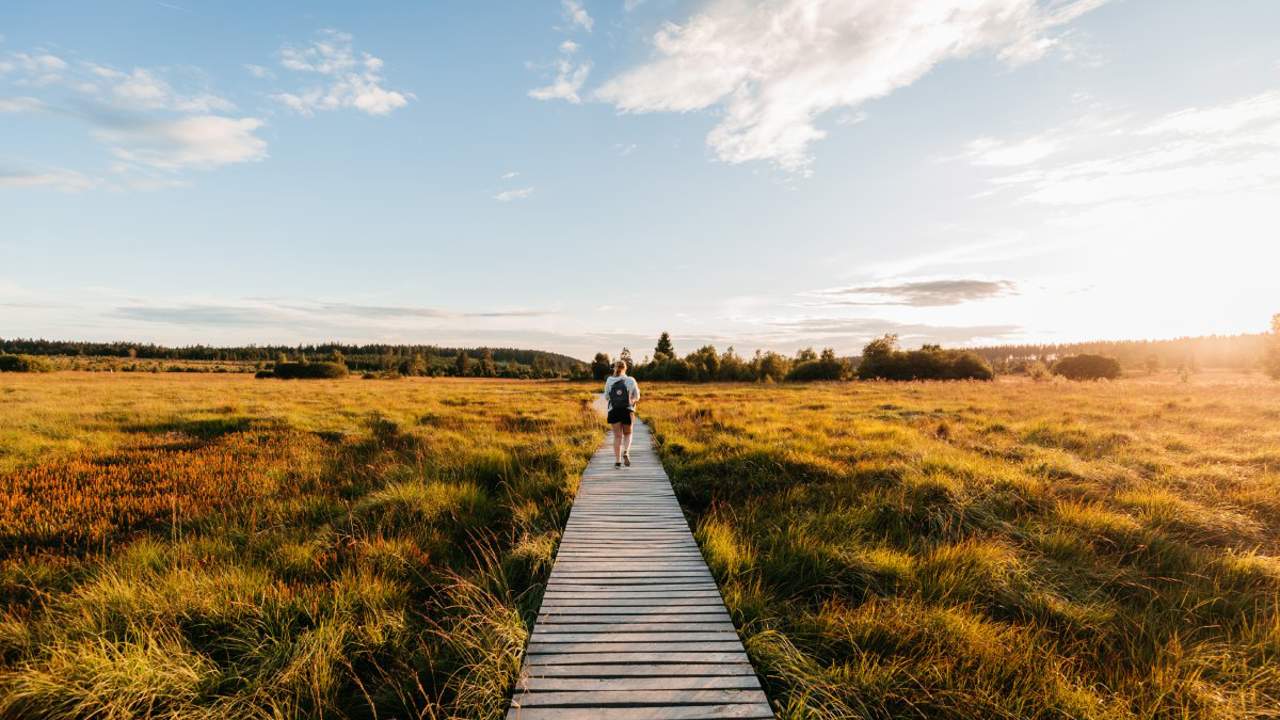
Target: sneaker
<point x="626" y="458"/>
<point x="617" y="465"/>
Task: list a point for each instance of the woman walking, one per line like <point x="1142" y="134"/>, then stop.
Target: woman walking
<point x="622" y="393"/>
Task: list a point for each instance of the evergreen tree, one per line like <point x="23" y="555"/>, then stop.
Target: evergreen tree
<point x="664" y="350"/>
<point x="487" y="367"/>
<point x="462" y="364"/>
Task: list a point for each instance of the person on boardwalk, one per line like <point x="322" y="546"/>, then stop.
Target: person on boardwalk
<point x="621" y="393"/>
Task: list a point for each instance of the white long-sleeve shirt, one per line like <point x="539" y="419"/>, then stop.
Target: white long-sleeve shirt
<point x="633" y="390"/>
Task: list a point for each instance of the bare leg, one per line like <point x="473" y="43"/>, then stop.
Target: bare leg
<point x="626" y="441"/>
<point x="617" y="442"/>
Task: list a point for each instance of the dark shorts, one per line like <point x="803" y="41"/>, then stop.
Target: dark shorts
<point x="620" y="416"/>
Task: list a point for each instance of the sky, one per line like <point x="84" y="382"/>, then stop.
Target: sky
<point x="580" y="175"/>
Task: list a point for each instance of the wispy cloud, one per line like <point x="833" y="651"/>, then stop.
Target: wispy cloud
<point x="516" y="194"/>
<point x="57" y="179"/>
<point x="202" y="141"/>
<point x="21" y="104"/>
<point x="263" y="313"/>
<point x="773" y="68"/>
<point x="259" y="71"/>
<point x="919" y="293"/>
<point x="576" y="14"/>
<point x="1219" y="149"/>
<point x="570" y="76"/>
<point x="145" y="121"/>
<point x="352" y="81"/>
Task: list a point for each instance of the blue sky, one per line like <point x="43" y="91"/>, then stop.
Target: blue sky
<point x="578" y="176"/>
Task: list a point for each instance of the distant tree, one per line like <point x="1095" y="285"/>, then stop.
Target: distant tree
<point x="769" y="366"/>
<point x="601" y="366"/>
<point x="461" y="364"/>
<point x="282" y="358"/>
<point x="806" y="355"/>
<point x="664" y="350"/>
<point x="1088" y="367"/>
<point x="133" y="353"/>
<point x="625" y="356"/>
<point x="1151" y="364"/>
<point x="704" y="363"/>
<point x="1271" y="362"/>
<point x="824" y="367"/>
<point x="487" y="367"/>
<point x="336" y="356"/>
<point x="413" y="366"/>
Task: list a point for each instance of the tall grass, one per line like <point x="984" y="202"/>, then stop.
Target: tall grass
<point x="211" y="546"/>
<point x="1006" y="550"/>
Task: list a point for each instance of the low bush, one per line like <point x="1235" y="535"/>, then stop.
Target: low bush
<point x="261" y="374"/>
<point x="825" y="369"/>
<point x="24" y="363"/>
<point x="310" y="371"/>
<point x="881" y="359"/>
<point x="1088" y="367"/>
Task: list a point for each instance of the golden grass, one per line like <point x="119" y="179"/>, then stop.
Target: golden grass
<point x="995" y="550"/>
<point x="188" y="546"/>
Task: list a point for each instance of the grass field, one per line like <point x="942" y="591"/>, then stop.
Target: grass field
<point x="187" y="546"/>
<point x="1007" y="550"/>
<point x="219" y="547"/>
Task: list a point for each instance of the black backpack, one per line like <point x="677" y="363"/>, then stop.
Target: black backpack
<point x="619" y="396"/>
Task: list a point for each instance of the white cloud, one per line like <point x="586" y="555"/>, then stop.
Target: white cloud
<point x="259" y="71"/>
<point x="20" y="104"/>
<point x="152" y="129"/>
<point x="993" y="152"/>
<point x="37" y="69"/>
<point x="143" y="90"/>
<point x="577" y="15"/>
<point x="510" y="175"/>
<point x="202" y="142"/>
<point x="353" y="82"/>
<point x="774" y="68"/>
<point x="1223" y="149"/>
<point x="569" y="79"/>
<point x="517" y="194"/>
<point x="58" y="179"/>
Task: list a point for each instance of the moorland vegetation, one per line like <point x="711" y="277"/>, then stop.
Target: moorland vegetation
<point x="1005" y="549"/>
<point x="208" y="546"/>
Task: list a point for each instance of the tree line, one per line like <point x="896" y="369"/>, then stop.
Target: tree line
<point x="883" y="359"/>
<point x="363" y="358"/>
<point x="1233" y="352"/>
<point x="880" y="359"/>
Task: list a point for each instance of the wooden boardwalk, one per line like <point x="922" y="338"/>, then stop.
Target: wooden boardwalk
<point x="632" y="626"/>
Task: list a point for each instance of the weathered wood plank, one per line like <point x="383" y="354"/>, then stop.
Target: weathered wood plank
<point x="682" y="712"/>
<point x="696" y="682"/>
<point x="607" y="698"/>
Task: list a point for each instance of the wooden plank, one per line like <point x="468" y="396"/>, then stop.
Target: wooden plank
<point x="695" y="682"/>
<point x="682" y="712"/>
<point x="607" y="698"/>
<point x="632" y="625"/>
